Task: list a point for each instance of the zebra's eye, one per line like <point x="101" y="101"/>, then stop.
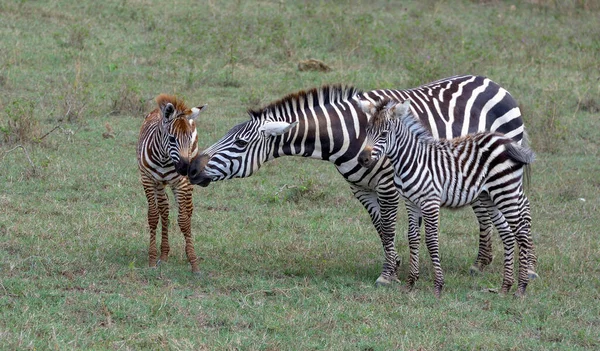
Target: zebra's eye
<point x="171" y="139"/>
<point x="240" y="142"/>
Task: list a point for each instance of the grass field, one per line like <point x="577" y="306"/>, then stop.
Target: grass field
<point x="289" y="256"/>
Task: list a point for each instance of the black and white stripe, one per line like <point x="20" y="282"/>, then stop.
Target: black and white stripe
<point x="431" y="173"/>
<point x="331" y="126"/>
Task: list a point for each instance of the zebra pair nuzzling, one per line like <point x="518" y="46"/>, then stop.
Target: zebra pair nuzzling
<point x="431" y="173"/>
<point x="327" y="123"/>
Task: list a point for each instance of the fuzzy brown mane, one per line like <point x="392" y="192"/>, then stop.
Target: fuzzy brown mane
<point x="179" y="105"/>
<point x="327" y="93"/>
<point x="380" y="116"/>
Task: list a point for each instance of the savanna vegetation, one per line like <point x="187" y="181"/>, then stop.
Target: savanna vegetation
<point x="289" y="256"/>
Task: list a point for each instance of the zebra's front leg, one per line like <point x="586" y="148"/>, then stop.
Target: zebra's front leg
<point x="383" y="216"/>
<point x="431" y="216"/>
<point x="484" y="255"/>
<point x="389" y="211"/>
<point x="162" y="202"/>
<point x="183" y="193"/>
<point x="414" y="238"/>
<point x="153" y="215"/>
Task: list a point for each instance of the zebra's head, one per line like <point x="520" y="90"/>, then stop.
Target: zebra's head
<point x="179" y="130"/>
<point x="239" y="153"/>
<point x="381" y="116"/>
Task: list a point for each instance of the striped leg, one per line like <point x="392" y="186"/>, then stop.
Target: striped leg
<point x="183" y="195"/>
<point x="414" y="237"/>
<point x="508" y="240"/>
<point x="163" y="207"/>
<point x="484" y="255"/>
<point x="383" y="216"/>
<point x="523" y="232"/>
<point x="431" y="217"/>
<point x="532" y="256"/>
<point x="150" y="191"/>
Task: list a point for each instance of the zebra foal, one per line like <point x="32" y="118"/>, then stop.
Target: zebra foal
<point x="168" y="141"/>
<point x="432" y="173"/>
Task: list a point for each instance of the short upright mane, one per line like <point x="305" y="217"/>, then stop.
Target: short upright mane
<point x="325" y="95"/>
<point x="179" y="105"/>
<point x="383" y="114"/>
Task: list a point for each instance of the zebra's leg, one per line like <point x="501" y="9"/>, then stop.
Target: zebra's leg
<point x="149" y="190"/>
<point x="523" y="233"/>
<point x="183" y="194"/>
<point x="162" y="201"/>
<point x="382" y="209"/>
<point x="431" y="217"/>
<point x="526" y="214"/>
<point x="414" y="238"/>
<point x="484" y="255"/>
<point x="508" y="240"/>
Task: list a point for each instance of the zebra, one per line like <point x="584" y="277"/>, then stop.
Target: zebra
<point x="431" y="173"/>
<point x="168" y="141"/>
<point x="331" y="126"/>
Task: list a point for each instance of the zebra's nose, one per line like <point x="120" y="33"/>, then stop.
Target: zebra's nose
<point x="182" y="167"/>
<point x="364" y="158"/>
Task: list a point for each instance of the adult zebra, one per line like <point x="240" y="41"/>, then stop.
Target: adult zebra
<point x="432" y="173"/>
<point x="331" y="126"/>
<point x="168" y="141"/>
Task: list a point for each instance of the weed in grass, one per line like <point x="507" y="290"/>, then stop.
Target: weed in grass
<point x="129" y="102"/>
<point x="20" y="124"/>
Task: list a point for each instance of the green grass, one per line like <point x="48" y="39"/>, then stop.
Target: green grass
<point x="289" y="256"/>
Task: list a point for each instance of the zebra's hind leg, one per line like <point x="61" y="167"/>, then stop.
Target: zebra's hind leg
<point x="149" y="190"/>
<point x="183" y="194"/>
<point x="508" y="240"/>
<point x="526" y="215"/>
<point x="163" y="207"/>
<point x="484" y="255"/>
<point x="524" y="241"/>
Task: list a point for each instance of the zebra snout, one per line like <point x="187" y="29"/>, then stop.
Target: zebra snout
<point x="364" y="158"/>
<point x="182" y="167"/>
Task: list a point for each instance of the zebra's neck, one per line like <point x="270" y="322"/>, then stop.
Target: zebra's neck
<point x="325" y="130"/>
<point x="412" y="144"/>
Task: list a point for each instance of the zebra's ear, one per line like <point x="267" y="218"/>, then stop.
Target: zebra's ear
<point x="168" y="111"/>
<point x="401" y="110"/>
<point x="196" y="111"/>
<point x="276" y="128"/>
<point x="367" y="107"/>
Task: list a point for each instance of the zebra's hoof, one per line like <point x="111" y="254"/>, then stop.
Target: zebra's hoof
<point x="532" y="275"/>
<point x="197" y="274"/>
<point x="382" y="282"/>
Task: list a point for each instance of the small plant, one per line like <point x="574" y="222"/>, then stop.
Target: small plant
<point x="20" y="126"/>
<point x="129" y="102"/>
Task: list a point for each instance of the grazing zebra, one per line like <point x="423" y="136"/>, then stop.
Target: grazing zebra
<point x="431" y="173"/>
<point x="331" y="126"/>
<point x="168" y="141"/>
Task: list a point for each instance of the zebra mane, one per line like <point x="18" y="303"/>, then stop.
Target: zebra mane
<point x="383" y="114"/>
<point x="179" y="105"/>
<point x="324" y="95"/>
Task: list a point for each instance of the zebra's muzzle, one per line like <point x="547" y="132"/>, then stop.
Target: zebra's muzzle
<point x="364" y="158"/>
<point x="196" y="172"/>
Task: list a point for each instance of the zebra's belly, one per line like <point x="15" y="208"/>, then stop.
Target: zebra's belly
<point x="455" y="198"/>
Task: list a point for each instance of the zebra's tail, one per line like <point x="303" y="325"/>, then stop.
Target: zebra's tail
<point x="522" y="154"/>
